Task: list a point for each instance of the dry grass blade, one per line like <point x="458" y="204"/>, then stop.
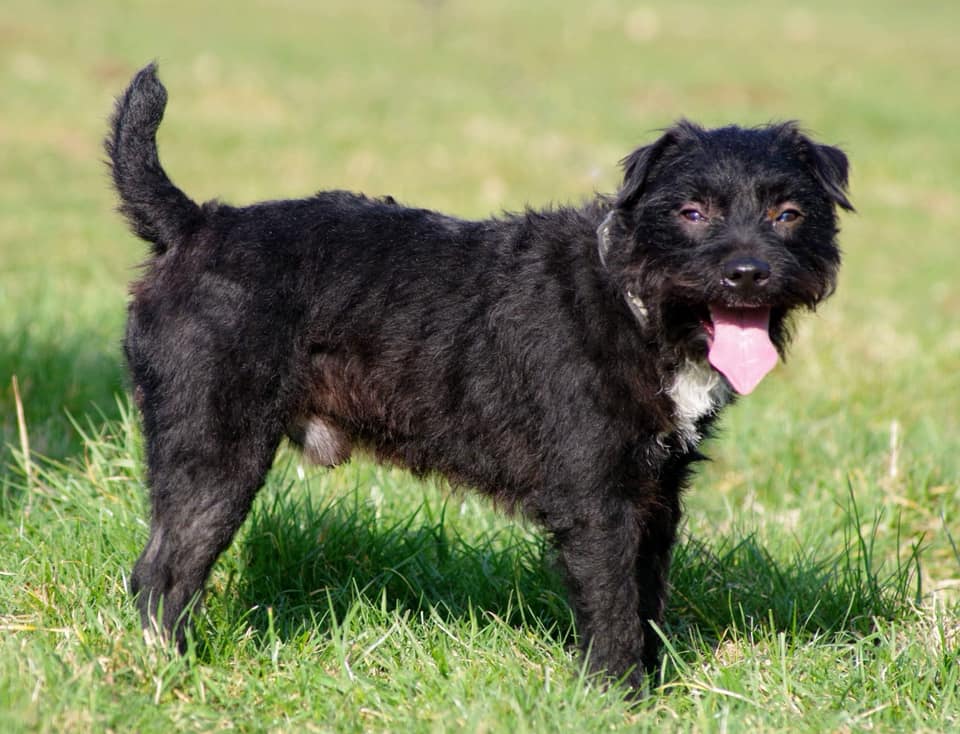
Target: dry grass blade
<point x="22" y="429"/>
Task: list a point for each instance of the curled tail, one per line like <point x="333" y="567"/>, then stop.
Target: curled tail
<point x="157" y="210"/>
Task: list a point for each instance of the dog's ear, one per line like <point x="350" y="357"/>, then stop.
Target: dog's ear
<point x="828" y="164"/>
<point x="639" y="165"/>
<point x="831" y="168"/>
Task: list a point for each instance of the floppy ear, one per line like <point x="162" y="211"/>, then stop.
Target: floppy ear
<point x="828" y="164"/>
<point x="638" y="166"/>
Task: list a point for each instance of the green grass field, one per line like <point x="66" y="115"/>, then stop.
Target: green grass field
<point x="816" y="588"/>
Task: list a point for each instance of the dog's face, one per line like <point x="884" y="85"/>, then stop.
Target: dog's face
<point x="721" y="233"/>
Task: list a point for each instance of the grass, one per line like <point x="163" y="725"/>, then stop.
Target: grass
<point x="816" y="585"/>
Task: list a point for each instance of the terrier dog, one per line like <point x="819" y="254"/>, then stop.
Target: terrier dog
<point x="565" y="362"/>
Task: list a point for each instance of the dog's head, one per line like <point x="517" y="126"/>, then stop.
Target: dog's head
<point x="717" y="235"/>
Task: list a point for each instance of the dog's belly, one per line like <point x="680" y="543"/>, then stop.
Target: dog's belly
<point x="429" y="416"/>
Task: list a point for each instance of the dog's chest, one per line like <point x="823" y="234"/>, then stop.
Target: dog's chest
<point x="697" y="391"/>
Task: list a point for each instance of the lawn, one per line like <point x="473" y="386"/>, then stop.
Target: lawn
<point x="817" y="585"/>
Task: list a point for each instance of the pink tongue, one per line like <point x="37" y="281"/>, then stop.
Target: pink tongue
<point x="741" y="348"/>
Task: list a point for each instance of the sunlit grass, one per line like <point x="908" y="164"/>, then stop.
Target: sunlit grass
<point x="816" y="586"/>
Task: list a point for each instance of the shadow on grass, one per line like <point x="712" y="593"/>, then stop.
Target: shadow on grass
<point x="736" y="584"/>
<point x="311" y="565"/>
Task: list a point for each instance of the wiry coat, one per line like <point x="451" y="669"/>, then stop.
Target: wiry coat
<point x="528" y="357"/>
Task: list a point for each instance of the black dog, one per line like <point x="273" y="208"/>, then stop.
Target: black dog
<point x="565" y="362"/>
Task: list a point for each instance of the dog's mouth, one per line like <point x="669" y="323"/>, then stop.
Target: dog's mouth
<point x="739" y="345"/>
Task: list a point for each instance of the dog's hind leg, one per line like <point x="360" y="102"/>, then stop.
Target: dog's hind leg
<point x="204" y="469"/>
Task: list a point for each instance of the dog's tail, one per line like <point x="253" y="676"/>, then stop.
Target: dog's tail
<point x="157" y="210"/>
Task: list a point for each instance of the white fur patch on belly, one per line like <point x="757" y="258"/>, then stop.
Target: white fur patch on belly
<point x="697" y="391"/>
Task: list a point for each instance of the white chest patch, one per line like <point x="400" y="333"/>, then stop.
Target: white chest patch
<point x="697" y="391"/>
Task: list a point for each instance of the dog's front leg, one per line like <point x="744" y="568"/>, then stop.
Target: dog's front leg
<point x="659" y="530"/>
<point x="599" y="554"/>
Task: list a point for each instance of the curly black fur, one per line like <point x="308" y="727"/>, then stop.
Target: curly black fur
<point x="541" y="358"/>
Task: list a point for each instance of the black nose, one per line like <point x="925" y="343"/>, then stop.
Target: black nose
<point x="746" y="274"/>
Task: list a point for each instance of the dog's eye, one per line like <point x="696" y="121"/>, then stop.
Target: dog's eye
<point x="787" y="216"/>
<point x="693" y="215"/>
